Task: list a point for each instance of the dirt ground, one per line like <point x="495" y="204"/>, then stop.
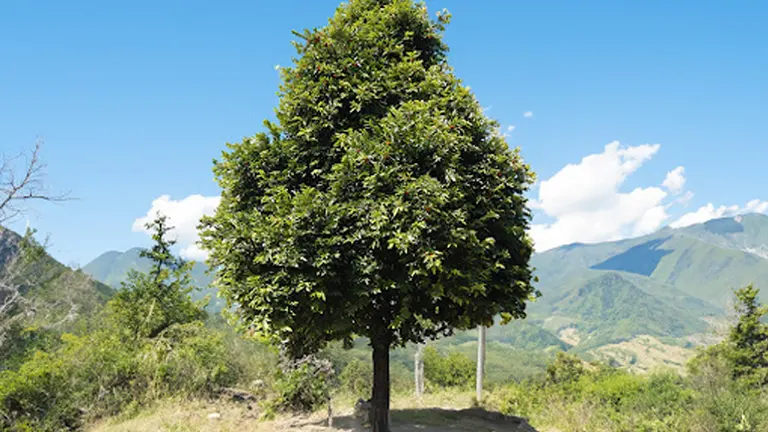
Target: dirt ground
<point x="418" y="420"/>
<point x="231" y="417"/>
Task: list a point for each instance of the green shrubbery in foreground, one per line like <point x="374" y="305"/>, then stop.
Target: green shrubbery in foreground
<point x="150" y="342"/>
<point x="598" y="398"/>
<point x="724" y="390"/>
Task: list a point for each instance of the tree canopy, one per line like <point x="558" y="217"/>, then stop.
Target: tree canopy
<point x="382" y="202"/>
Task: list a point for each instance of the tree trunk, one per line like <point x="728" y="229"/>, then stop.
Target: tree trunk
<point x="418" y="370"/>
<point x="380" y="398"/>
<point x="480" y="364"/>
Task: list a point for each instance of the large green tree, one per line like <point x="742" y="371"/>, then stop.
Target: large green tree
<point x="382" y="203"/>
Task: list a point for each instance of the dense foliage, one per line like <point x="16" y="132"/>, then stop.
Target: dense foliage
<point x="302" y="385"/>
<point x="447" y="370"/>
<point x="382" y="203"/>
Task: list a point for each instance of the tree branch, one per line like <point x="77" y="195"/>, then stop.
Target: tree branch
<point x="19" y="185"/>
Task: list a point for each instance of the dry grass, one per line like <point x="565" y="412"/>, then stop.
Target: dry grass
<point x="184" y="416"/>
<point x="432" y="413"/>
<point x="646" y="353"/>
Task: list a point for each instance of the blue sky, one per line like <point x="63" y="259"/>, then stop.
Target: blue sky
<point x="134" y="100"/>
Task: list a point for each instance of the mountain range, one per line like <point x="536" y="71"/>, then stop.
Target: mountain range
<point x="640" y="302"/>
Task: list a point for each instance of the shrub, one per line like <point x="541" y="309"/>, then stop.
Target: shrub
<point x="100" y="374"/>
<point x="303" y="386"/>
<point x="521" y="400"/>
<point x="566" y="368"/>
<point x="452" y="370"/>
<point x="357" y="378"/>
<point x="36" y="397"/>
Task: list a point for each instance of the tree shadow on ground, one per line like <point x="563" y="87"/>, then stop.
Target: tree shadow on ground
<point x="437" y="419"/>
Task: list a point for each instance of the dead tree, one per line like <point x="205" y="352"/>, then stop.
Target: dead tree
<point x="21" y="182"/>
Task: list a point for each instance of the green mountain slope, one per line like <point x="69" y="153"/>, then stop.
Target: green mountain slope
<point x="521" y="334"/>
<point x="708" y="271"/>
<point x="41" y="293"/>
<point x="670" y="285"/>
<point x="610" y="308"/>
<point x="704" y="261"/>
<point x="112" y="269"/>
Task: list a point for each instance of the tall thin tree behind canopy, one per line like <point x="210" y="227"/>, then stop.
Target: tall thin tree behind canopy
<point x="383" y="203"/>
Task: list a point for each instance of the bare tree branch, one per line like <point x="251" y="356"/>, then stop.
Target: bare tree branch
<point x="19" y="185"/>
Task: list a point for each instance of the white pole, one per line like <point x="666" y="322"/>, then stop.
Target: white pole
<point x="418" y="370"/>
<point x="480" y="363"/>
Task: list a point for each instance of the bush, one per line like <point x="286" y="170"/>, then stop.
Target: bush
<point x="303" y="386"/>
<point x="357" y="378"/>
<point x="37" y="397"/>
<point x="566" y="368"/>
<point x="452" y="370"/>
<point x="521" y="400"/>
<point x="100" y="374"/>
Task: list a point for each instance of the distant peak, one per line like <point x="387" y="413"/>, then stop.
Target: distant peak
<point x="570" y="246"/>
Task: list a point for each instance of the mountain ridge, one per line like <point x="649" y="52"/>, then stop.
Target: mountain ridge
<point x="112" y="268"/>
<point x="672" y="285"/>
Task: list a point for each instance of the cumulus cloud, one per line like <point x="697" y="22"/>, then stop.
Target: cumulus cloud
<point x="675" y="180"/>
<point x="704" y="214"/>
<point x="586" y="204"/>
<point x="709" y="212"/>
<point x="528" y="114"/>
<point x="756" y="206"/>
<point x="184" y="215"/>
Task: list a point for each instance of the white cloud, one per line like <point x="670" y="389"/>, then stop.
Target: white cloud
<point x="704" y="214"/>
<point x="685" y="198"/>
<point x="510" y="128"/>
<point x="184" y="215"/>
<point x="756" y="206"/>
<point x="587" y="206"/>
<point x="709" y="212"/>
<point x="194" y="252"/>
<point x="528" y="114"/>
<point x="277" y="67"/>
<point x="675" y="180"/>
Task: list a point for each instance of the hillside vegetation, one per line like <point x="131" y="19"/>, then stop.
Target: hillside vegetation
<point x="174" y="370"/>
<point x="599" y="300"/>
